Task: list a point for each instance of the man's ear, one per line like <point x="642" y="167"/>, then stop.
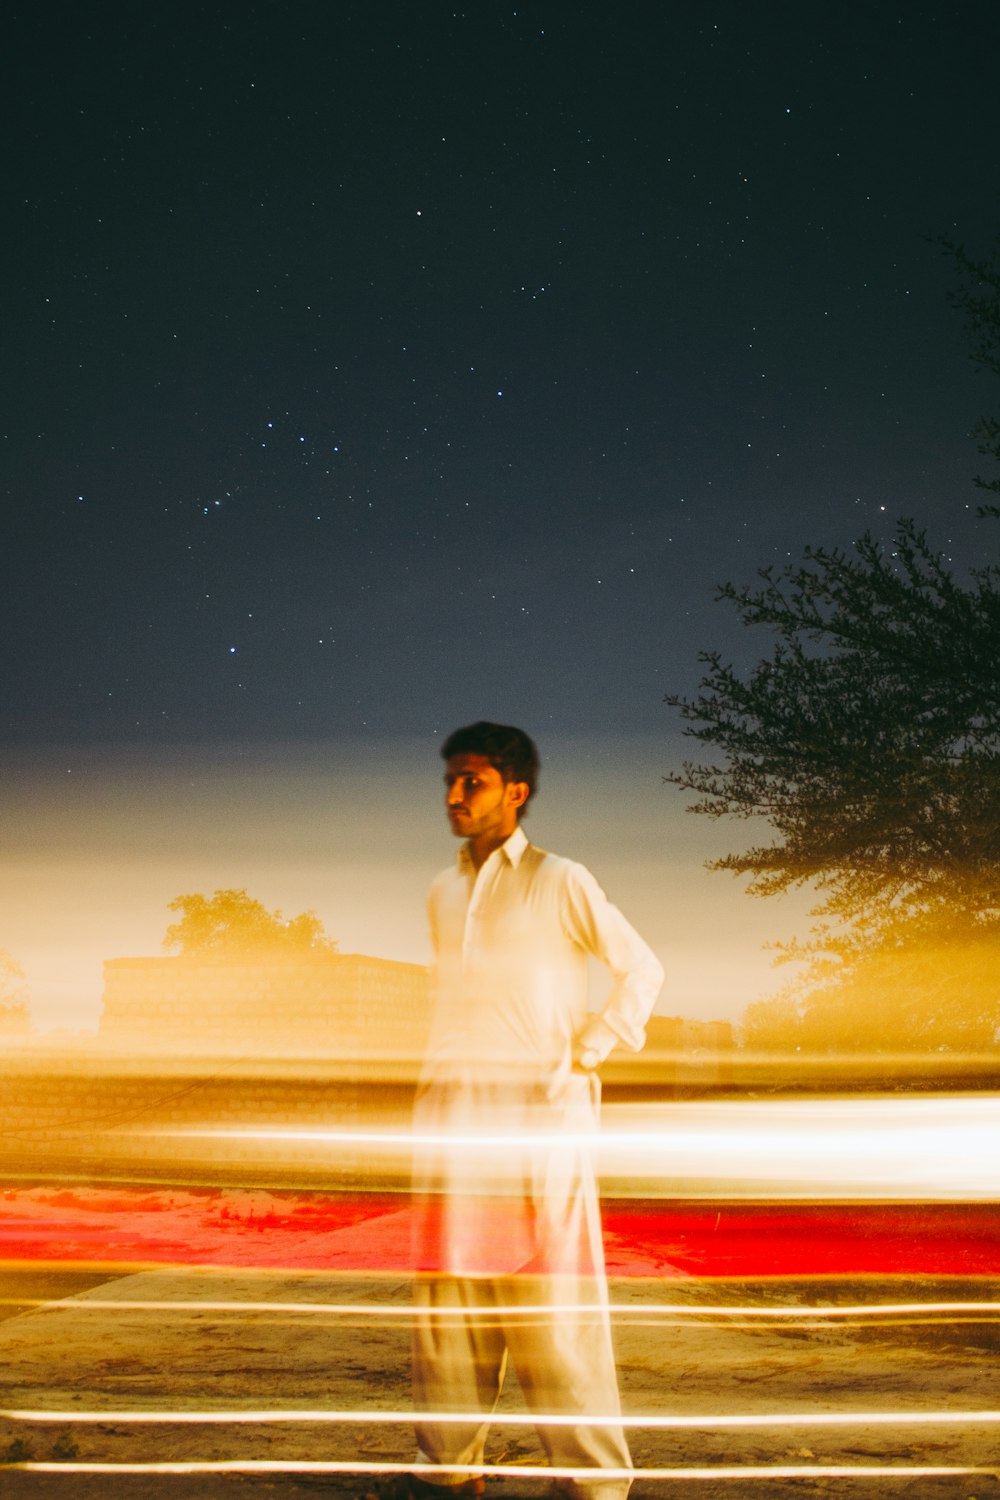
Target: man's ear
<point x="518" y="793"/>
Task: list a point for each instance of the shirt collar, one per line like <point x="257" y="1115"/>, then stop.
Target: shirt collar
<point x="515" y="846"/>
<point x="512" y="850"/>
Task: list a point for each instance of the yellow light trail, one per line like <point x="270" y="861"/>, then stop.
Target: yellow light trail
<point x="966" y="1312"/>
<point x="397" y="1138"/>
<point x="522" y="1471"/>
<point x="512" y="1419"/>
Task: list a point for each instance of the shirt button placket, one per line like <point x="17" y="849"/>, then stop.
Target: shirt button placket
<point x="473" y="916"/>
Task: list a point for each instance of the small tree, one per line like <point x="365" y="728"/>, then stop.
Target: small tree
<point x="232" y="925"/>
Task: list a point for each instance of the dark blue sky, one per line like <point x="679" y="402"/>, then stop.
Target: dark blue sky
<point x="374" y="368"/>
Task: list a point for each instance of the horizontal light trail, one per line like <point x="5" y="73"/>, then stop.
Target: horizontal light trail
<point x="514" y="1419"/>
<point x="920" y="1148"/>
<point x="945" y="1312"/>
<point x="796" y="1126"/>
<point x="400" y="1139"/>
<point x="929" y="1147"/>
<point x="522" y="1471"/>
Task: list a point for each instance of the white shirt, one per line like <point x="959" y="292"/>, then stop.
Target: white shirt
<point x="502" y="1119"/>
<point x="511" y="944"/>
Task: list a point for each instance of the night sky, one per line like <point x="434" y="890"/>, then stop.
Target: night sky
<point x="373" y="369"/>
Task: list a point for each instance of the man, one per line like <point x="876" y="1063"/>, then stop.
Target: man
<point x="509" y="1239"/>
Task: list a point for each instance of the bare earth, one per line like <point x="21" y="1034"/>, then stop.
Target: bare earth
<point x="92" y="1352"/>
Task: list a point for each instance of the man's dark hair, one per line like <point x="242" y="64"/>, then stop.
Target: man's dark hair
<point x="510" y="750"/>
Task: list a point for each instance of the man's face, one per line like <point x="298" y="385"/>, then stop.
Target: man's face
<point x="478" y="800"/>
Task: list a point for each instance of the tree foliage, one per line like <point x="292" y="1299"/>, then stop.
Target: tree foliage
<point x="230" y="924"/>
<point x="15" y="1019"/>
<point x="869" y="741"/>
<point x="925" y="986"/>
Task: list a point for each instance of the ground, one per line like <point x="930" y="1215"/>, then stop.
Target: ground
<point x="782" y="1386"/>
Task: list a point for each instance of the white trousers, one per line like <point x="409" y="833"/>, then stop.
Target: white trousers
<point x="466" y="1327"/>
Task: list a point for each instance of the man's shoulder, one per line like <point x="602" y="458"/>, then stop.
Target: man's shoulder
<point x="557" y="867"/>
<point x="444" y="878"/>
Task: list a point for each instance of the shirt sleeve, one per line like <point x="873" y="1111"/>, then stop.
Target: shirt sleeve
<point x="590" y="920"/>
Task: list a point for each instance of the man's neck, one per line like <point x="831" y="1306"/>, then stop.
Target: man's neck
<point x="480" y="849"/>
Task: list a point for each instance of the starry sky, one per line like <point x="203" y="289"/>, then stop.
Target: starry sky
<point x="373" y="369"/>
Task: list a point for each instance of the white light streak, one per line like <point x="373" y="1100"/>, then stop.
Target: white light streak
<point x="516" y="1419"/>
<point x="923" y="1147"/>
<point x="979" y="1312"/>
<point x="523" y="1471"/>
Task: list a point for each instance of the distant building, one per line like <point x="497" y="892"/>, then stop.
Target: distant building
<point x="342" y="1006"/>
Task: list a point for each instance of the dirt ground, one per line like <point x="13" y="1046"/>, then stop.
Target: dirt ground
<point x="175" y="1341"/>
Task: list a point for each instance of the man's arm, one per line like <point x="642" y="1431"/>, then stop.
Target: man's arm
<point x="590" y="920"/>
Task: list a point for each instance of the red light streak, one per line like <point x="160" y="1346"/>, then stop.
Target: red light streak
<point x="128" y="1228"/>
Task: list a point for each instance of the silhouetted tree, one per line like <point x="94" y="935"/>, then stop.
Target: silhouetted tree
<point x="230" y="925"/>
<point x="869" y="740"/>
